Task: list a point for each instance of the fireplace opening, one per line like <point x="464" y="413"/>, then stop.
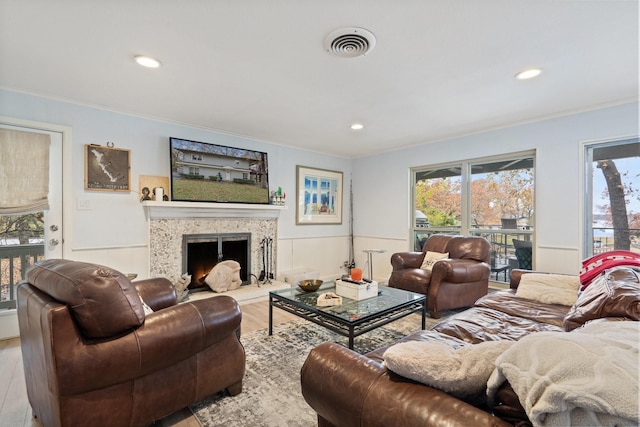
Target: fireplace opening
<point x="201" y="252"/>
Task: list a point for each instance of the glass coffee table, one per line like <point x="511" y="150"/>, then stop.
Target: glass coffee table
<point x="352" y="318"/>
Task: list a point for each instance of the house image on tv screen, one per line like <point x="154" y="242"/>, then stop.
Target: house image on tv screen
<point x="199" y="170"/>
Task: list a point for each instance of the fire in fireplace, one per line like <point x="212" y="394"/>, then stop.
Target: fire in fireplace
<point x="201" y="252"/>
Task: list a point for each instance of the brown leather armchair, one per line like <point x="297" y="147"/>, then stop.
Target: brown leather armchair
<point x="455" y="282"/>
<point x="92" y="357"/>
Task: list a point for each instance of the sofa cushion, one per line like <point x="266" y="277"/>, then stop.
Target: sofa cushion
<point x="549" y="288"/>
<point x="430" y="258"/>
<point x="462" y="372"/>
<point x="502" y="315"/>
<point x="615" y="293"/>
<point x="102" y="300"/>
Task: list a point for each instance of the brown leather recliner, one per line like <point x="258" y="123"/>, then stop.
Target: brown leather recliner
<point x="453" y="283"/>
<point x="92" y="357"/>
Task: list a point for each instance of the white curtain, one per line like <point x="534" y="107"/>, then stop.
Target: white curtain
<point x="24" y="172"/>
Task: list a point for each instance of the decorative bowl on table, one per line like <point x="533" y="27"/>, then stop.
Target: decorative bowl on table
<point x="310" y="285"/>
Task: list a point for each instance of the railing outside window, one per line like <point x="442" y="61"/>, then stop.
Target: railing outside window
<point x="603" y="240"/>
<point x="503" y="251"/>
<point x="14" y="263"/>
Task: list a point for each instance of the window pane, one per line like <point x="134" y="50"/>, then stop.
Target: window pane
<point x="438" y="201"/>
<point x="21" y="245"/>
<point x="502" y="207"/>
<point x="502" y="194"/>
<point x="615" y="210"/>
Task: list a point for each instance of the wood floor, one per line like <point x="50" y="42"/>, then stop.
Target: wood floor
<point x="14" y="406"/>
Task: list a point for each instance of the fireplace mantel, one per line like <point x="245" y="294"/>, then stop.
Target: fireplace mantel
<point x="155" y="210"/>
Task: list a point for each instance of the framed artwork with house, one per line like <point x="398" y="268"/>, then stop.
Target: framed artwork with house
<point x="106" y="168"/>
<point x="319" y="196"/>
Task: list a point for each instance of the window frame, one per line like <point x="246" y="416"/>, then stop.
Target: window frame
<point x="465" y="185"/>
<point x="587" y="175"/>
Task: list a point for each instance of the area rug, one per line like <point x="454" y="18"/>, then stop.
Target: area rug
<point x="271" y="393"/>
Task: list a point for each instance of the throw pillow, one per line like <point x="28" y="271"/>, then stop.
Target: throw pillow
<point x="549" y="288"/>
<point x="431" y="258"/>
<point x="224" y="276"/>
<point x="462" y="372"/>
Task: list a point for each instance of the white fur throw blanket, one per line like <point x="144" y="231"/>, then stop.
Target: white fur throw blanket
<point x="588" y="377"/>
<point x="462" y="372"/>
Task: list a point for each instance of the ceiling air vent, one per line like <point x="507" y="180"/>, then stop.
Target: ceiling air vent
<point x="349" y="42"/>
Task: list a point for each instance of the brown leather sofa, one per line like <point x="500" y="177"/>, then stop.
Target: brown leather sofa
<point x="453" y="283"/>
<point x="92" y="356"/>
<point x="348" y="389"/>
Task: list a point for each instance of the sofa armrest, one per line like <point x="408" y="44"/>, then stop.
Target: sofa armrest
<point x="348" y="389"/>
<point x="402" y="260"/>
<point x="158" y="293"/>
<point x="166" y="338"/>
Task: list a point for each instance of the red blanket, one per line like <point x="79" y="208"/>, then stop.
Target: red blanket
<point x="592" y="267"/>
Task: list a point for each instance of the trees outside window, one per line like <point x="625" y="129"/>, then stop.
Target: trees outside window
<point x="438" y="196"/>
<point x="612" y="208"/>
<point x="502" y="190"/>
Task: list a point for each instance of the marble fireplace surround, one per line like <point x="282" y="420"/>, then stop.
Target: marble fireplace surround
<point x="169" y="221"/>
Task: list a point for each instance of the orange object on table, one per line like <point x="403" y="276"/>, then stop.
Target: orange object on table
<point x="356" y="274"/>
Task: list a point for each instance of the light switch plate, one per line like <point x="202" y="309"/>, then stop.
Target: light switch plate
<point x="84" y="205"/>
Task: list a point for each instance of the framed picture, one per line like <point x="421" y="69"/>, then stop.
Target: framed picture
<point x="106" y="168"/>
<point x="149" y="185"/>
<point x="319" y="196"/>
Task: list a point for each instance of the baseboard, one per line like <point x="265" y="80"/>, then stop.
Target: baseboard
<point x="9" y="324"/>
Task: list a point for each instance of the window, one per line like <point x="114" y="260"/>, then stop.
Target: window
<point x="194" y="171"/>
<point x="612" y="208"/>
<point x="493" y="198"/>
<point x="502" y="194"/>
<point x="438" y="197"/>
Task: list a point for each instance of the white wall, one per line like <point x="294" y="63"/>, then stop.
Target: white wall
<point x="381" y="183"/>
<point x="115" y="232"/>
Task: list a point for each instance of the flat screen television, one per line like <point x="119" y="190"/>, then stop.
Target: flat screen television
<point x="203" y="172"/>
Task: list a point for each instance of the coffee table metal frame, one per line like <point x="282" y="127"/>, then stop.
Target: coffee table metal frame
<point x="391" y="304"/>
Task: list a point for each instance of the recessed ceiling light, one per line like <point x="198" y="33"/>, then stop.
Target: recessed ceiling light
<point x="147" y="61"/>
<point x="357" y="126"/>
<point x="529" y="73"/>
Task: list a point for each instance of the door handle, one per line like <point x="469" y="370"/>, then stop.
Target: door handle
<point x="54" y="242"/>
<point x="53" y="228"/>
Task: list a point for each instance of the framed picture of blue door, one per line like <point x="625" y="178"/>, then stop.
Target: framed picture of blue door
<point x="319" y="196"/>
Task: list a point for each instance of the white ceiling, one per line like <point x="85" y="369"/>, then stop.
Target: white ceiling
<point x="258" y="68"/>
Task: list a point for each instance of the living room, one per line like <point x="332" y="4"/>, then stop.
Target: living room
<point x="112" y="228"/>
<point x="381" y="199"/>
